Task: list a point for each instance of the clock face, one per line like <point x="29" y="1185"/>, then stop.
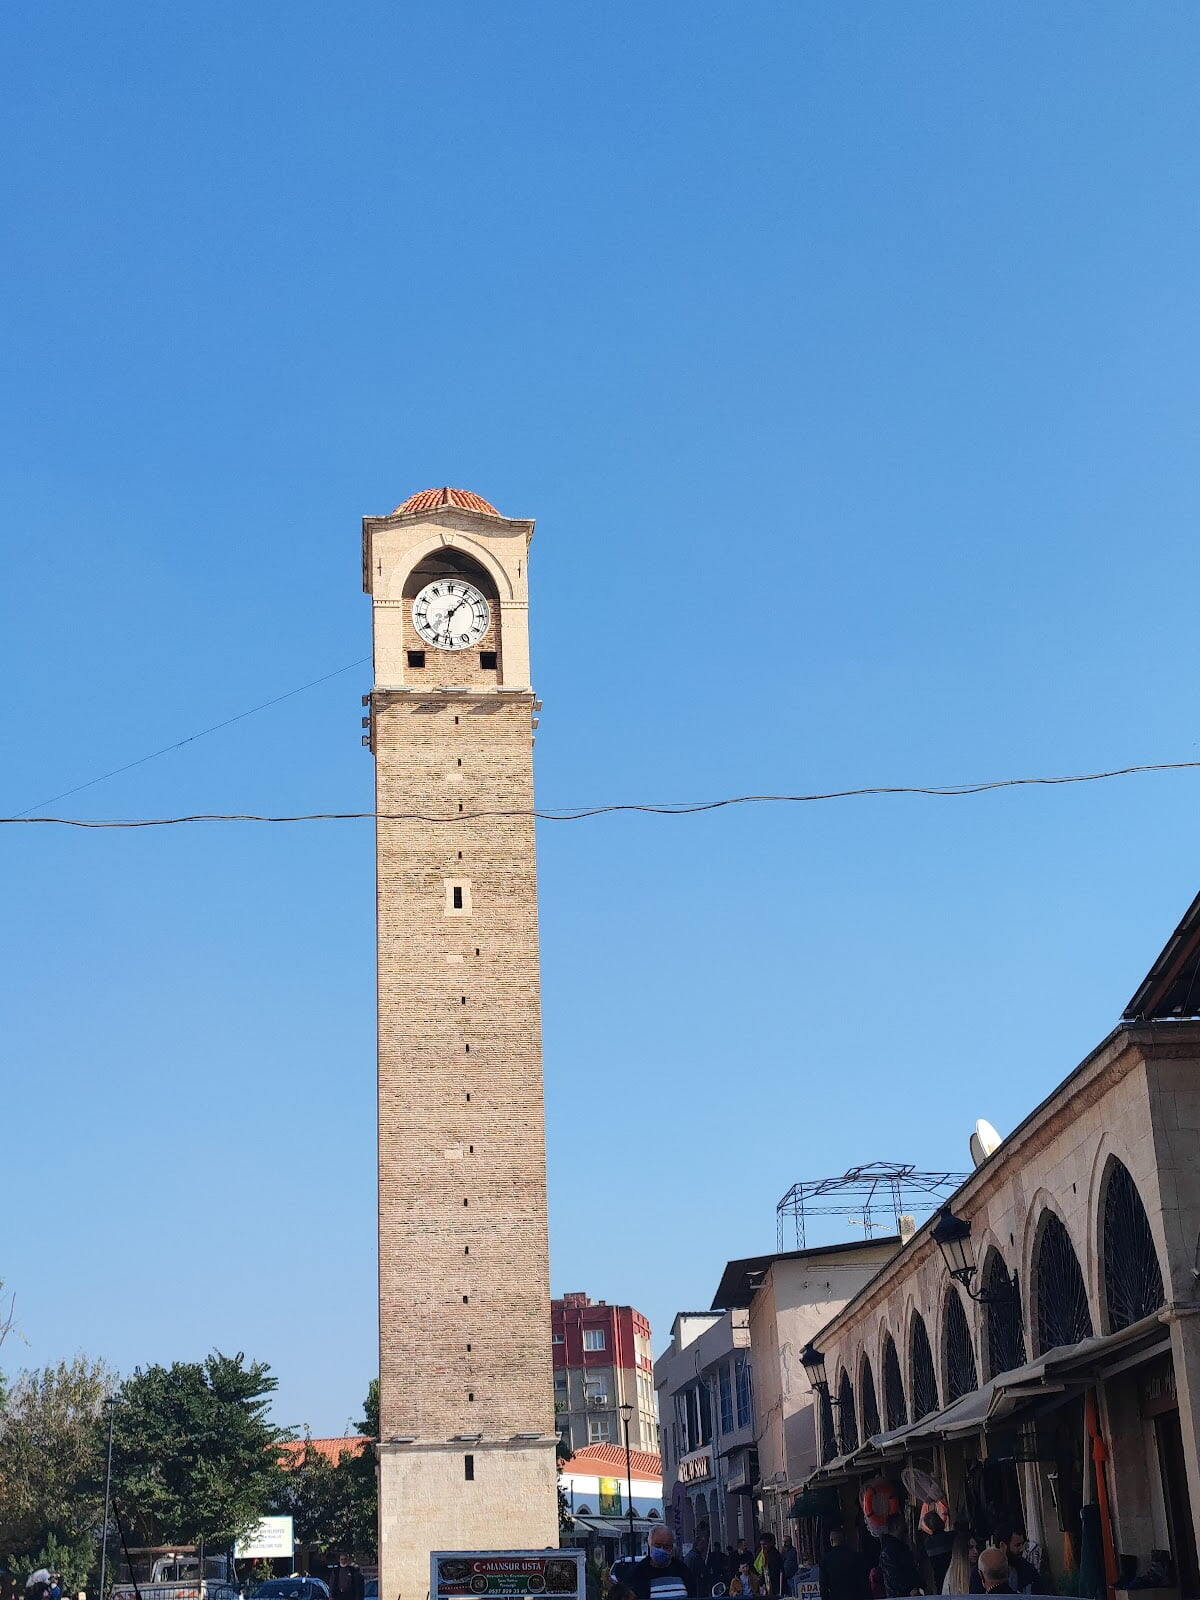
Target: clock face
<point x="451" y="614"/>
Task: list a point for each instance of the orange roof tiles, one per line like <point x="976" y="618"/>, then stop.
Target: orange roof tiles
<point x="643" y="1463"/>
<point x="292" y="1450"/>
<point x="433" y="499"/>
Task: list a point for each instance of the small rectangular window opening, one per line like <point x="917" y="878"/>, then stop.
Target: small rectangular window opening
<point x="470" y="1395"/>
<point x="469" y="1468"/>
<point x="468" y="1094"/>
<point x="416" y="658"/>
<point x="466" y="1252"/>
<point x="468" y="1349"/>
<point x="466" y="1300"/>
<point x="456" y="900"/>
<point x="487" y="660"/>
<point x="466" y="1202"/>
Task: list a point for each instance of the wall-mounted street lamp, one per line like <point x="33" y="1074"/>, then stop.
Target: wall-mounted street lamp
<point x="952" y="1235"/>
<point x="813" y="1363"/>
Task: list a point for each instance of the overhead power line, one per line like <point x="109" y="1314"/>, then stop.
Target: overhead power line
<point x="179" y="743"/>
<point x="580" y="813"/>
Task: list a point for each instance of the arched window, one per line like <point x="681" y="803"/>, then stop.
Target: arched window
<point x="847" y="1421"/>
<point x="1002" y="1316"/>
<point x="1059" y="1296"/>
<point x="894" y="1408"/>
<point x="869" y="1408"/>
<point x="828" y="1437"/>
<point x="957" y="1349"/>
<point x="1133" y="1285"/>
<point x="924" y="1379"/>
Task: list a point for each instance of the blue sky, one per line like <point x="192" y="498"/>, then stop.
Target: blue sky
<point x="847" y="357"/>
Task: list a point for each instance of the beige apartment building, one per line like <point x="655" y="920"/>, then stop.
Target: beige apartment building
<point x="788" y="1298"/>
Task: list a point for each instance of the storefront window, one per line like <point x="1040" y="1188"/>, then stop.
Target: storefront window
<point x="1133" y="1286"/>
<point x="893" y="1386"/>
<point x="1063" y="1316"/>
<point x="961" y="1373"/>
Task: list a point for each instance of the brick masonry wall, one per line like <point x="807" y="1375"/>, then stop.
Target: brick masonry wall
<point x="463" y="1271"/>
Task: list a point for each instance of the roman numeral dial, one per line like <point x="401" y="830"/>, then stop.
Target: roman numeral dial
<point x="451" y="614"/>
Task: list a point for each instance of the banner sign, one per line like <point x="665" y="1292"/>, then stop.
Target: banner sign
<point x="507" y="1573"/>
<point x="268" y="1539"/>
<point x="610" y="1497"/>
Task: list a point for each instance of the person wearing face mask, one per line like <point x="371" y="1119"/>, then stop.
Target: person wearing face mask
<point x="659" y="1575"/>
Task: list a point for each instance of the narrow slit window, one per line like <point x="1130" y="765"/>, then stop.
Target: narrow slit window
<point x="466" y="1299"/>
<point x="456" y="897"/>
<point x="469" y="1468"/>
<point x="470" y="1395"/>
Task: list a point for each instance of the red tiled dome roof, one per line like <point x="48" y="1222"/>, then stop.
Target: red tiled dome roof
<point x="431" y="499"/>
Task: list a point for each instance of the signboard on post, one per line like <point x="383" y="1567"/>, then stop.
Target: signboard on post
<point x="454" y="1573"/>
<point x="269" y="1539"/>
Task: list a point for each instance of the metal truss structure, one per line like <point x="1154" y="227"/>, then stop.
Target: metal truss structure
<point x="866" y="1196"/>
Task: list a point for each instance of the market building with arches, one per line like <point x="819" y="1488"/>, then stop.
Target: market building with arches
<point x="1034" y="1348"/>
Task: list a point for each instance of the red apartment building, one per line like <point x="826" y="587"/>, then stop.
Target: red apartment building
<point x="602" y="1361"/>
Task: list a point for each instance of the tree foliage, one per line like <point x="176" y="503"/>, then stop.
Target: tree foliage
<point x="336" y="1506"/>
<point x="193" y="1456"/>
<point x="50" y="1431"/>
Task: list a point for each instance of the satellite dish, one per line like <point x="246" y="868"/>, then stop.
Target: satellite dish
<point x="984" y="1141"/>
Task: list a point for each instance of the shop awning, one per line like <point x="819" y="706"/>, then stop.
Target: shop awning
<point x="1055" y="1373"/>
<point x="615" y="1527"/>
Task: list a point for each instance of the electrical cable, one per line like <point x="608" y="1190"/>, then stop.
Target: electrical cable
<point x="580" y="813"/>
<point x="192" y="737"/>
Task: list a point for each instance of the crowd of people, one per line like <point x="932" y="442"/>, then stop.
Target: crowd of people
<point x="885" y="1569"/>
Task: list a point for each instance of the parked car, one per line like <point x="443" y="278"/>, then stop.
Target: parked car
<point x="290" y="1589"/>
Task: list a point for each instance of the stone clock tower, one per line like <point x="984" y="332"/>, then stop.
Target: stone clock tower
<point x="467" y="1441"/>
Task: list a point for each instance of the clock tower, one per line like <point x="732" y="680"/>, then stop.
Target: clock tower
<point x="467" y="1441"/>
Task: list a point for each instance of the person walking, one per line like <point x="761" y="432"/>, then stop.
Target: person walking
<point x="843" y="1573"/>
<point x="345" y="1580"/>
<point x="993" y="1569"/>
<point x="769" y="1565"/>
<point x="745" y="1580"/>
<point x="791" y="1565"/>
<point x="659" y="1575"/>
<point x="1022" y="1574"/>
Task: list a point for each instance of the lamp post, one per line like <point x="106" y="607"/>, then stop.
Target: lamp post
<point x="952" y="1235"/>
<point x="111" y="1406"/>
<point x="626" y="1414"/>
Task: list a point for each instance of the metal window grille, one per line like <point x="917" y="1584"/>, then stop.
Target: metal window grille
<point x="828" y="1439"/>
<point x="961" y="1373"/>
<point x="924" y="1379"/>
<point x="847" y="1421"/>
<point x="1063" y="1316"/>
<point x="869" y="1407"/>
<point x="1002" y="1315"/>
<point x="893" y="1386"/>
<point x="1133" y="1285"/>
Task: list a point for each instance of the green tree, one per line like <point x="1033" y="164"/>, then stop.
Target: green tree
<point x="50" y="1429"/>
<point x="336" y="1506"/>
<point x="193" y="1451"/>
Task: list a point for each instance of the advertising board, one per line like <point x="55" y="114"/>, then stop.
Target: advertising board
<point x="268" y="1539"/>
<point x="454" y="1573"/>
